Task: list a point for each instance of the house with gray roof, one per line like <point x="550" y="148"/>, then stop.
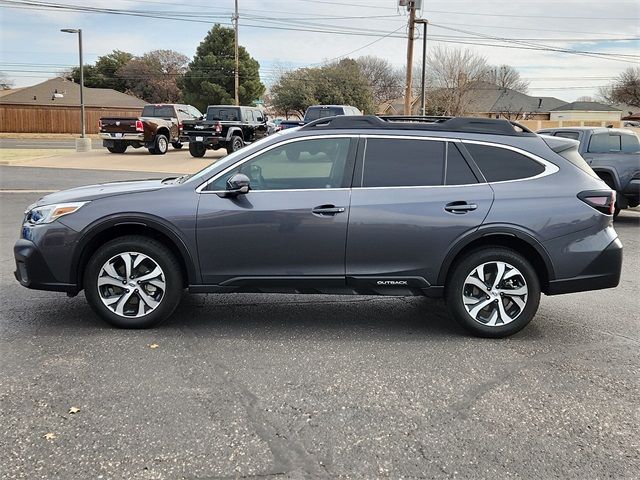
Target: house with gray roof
<point x="586" y="111"/>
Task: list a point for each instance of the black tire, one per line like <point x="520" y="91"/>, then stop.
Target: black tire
<point x="455" y="289"/>
<point x="176" y="145"/>
<point x="171" y="275"/>
<point x="197" y="149"/>
<point x="160" y="146"/>
<point x="117" y="148"/>
<point x="235" y="144"/>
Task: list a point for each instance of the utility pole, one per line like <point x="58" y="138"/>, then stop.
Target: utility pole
<point x="412" y="20"/>
<point x="237" y="73"/>
<point x="83" y="144"/>
<point x="423" y="88"/>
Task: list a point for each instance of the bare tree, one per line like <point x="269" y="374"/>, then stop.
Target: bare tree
<point x="386" y="81"/>
<point x="624" y="89"/>
<point x="452" y="76"/>
<point x="5" y="82"/>
<point x="585" y="98"/>
<point x="506" y="76"/>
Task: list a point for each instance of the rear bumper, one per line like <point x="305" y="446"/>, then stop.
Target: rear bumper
<point x="603" y="272"/>
<point x="138" y="137"/>
<point x="33" y="272"/>
<point x="203" y="138"/>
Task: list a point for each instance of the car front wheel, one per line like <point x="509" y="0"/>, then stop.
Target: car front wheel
<point x="493" y="292"/>
<point x="133" y="282"/>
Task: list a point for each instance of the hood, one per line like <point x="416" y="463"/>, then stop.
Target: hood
<point x="102" y="190"/>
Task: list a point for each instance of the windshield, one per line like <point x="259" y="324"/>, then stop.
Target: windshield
<point x="160" y="111"/>
<point x="316" y="113"/>
<point x="229" y="114"/>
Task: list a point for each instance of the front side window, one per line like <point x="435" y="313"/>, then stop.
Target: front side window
<point x="304" y="164"/>
<point x="500" y="164"/>
<point x="390" y="162"/>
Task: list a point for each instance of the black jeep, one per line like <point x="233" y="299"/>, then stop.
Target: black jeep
<point x="225" y="126"/>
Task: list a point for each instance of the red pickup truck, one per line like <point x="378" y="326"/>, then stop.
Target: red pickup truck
<point x="159" y="126"/>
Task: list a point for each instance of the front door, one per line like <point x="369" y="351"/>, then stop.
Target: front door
<point x="291" y="227"/>
<point x="412" y="198"/>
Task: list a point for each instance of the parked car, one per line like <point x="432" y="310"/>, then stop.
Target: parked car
<point x="476" y="210"/>
<point x="225" y="126"/>
<point x="614" y="155"/>
<point x="159" y="126"/>
<point x="316" y="112"/>
<point x="631" y="123"/>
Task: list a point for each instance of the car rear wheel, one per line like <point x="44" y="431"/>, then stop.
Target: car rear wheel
<point x="161" y="145"/>
<point x="197" y="149"/>
<point x="133" y="282"/>
<point x="493" y="292"/>
<point x="117" y="148"/>
<point x="176" y="145"/>
<point x="235" y="145"/>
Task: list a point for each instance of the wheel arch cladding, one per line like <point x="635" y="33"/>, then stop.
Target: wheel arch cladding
<point x="103" y="233"/>
<point x="519" y="242"/>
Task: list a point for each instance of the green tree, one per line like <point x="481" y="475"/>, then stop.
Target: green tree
<point x="103" y="73"/>
<point x="340" y="83"/>
<point x="155" y="76"/>
<point x="210" y="76"/>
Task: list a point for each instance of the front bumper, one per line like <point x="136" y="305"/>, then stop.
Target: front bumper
<point x="603" y="272"/>
<point x="33" y="272"/>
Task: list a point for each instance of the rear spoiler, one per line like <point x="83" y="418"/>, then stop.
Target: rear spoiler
<point x="560" y="144"/>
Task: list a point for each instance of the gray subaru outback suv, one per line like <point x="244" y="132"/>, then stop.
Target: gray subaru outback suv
<point x="480" y="211"/>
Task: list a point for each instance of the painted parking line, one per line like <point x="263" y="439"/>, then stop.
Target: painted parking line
<point x="2" y="190"/>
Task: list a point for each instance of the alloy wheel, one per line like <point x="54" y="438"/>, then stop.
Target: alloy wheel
<point x="495" y="293"/>
<point x="131" y="284"/>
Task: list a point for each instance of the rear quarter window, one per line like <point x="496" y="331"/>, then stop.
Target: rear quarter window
<point x="630" y="144"/>
<point x="499" y="164"/>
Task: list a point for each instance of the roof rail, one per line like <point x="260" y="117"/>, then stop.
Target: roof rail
<point x="492" y="126"/>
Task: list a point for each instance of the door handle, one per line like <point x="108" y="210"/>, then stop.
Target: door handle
<point x="460" y="207"/>
<point x="327" y="210"/>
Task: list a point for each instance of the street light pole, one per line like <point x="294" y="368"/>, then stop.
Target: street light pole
<point x="82" y="146"/>
<point x="236" y="79"/>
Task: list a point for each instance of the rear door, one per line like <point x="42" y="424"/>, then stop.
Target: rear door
<point x="412" y="198"/>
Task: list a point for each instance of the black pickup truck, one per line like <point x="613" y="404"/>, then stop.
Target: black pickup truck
<point x="225" y="126"/>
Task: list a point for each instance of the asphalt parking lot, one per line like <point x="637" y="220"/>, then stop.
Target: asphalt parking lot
<point x="280" y="386"/>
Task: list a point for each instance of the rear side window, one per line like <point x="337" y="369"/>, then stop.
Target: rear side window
<point x="500" y="164"/>
<point x="571" y="135"/>
<point x="458" y="171"/>
<point x="605" y="143"/>
<point x="403" y="163"/>
<point x="322" y="112"/>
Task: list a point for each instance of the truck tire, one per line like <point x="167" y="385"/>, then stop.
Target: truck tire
<point x="117" y="148"/>
<point x="197" y="149"/>
<point x="161" y="145"/>
<point x="176" y="145"/>
<point x="235" y="144"/>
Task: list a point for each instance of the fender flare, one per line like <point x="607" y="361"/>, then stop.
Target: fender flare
<point x="611" y="171"/>
<point x="506" y="230"/>
<point x="233" y="130"/>
<point x="134" y="219"/>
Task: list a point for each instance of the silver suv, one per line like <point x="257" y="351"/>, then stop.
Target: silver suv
<point x="480" y="211"/>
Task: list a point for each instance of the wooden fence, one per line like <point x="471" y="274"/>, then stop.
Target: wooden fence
<point x="540" y="124"/>
<point x="63" y="119"/>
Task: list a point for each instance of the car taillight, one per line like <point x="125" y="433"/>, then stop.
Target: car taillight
<point x="139" y="126"/>
<point x="602" y="200"/>
<point x="180" y="126"/>
<point x="218" y="127"/>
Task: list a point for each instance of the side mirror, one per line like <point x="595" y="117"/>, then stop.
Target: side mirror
<point x="238" y="184"/>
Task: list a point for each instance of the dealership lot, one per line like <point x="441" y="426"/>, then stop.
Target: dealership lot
<point x="312" y="386"/>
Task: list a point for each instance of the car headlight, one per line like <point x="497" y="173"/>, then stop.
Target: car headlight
<point x="48" y="213"/>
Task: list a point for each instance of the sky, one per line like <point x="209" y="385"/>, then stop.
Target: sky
<point x="603" y="34"/>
